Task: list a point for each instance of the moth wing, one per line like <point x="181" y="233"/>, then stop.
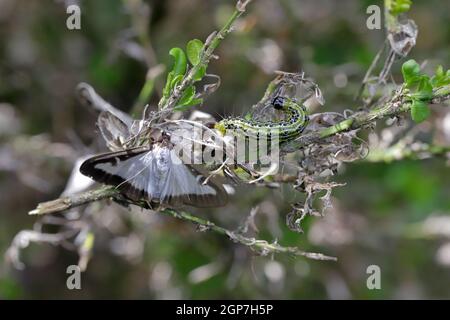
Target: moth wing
<point x="153" y="174"/>
<point x="184" y="185"/>
<point x="113" y="130"/>
<point x="128" y="170"/>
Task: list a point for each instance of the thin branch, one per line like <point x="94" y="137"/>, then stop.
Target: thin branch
<point x="68" y="202"/>
<point x="206" y="55"/>
<point x="402" y="151"/>
<point x="399" y="104"/>
<point x="263" y="247"/>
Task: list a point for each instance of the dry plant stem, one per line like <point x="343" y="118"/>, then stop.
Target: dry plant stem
<point x="261" y="246"/>
<point x="68" y="202"/>
<point x="369" y="72"/>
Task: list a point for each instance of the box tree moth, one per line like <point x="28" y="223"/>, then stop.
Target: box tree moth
<point x="151" y="172"/>
<point x="154" y="174"/>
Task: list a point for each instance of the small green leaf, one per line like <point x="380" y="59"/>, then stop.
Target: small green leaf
<point x="10" y="288"/>
<point x="441" y="78"/>
<point x="178" y="70"/>
<point x="180" y="64"/>
<point x="411" y="72"/>
<point x="193" y="50"/>
<point x="188" y="100"/>
<point x="424" y="89"/>
<point x="187" y="96"/>
<point x="419" y="111"/>
<point x="439" y="71"/>
<point x="175" y="81"/>
<point x="400" y="6"/>
<point x="167" y="87"/>
<point x="195" y="101"/>
<point x="191" y="103"/>
<point x="200" y="73"/>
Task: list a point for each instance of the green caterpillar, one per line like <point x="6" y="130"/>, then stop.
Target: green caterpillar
<point x="288" y="129"/>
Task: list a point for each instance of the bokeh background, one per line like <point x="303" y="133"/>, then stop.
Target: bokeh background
<point x="395" y="215"/>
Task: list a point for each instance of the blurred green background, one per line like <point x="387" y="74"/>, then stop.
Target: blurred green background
<point x="394" y="215"/>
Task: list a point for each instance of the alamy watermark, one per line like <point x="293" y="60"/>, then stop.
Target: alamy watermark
<point x="373" y="22"/>
<point x="73" y="21"/>
<point x="73" y="281"/>
<point x="373" y="281"/>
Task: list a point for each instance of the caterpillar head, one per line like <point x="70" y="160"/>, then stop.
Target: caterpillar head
<point x="278" y="102"/>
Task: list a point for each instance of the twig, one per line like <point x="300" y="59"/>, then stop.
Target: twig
<point x="399" y="104"/>
<point x="261" y="246"/>
<point x="211" y="44"/>
<point x="400" y="151"/>
<point x="75" y="200"/>
<point x="369" y="72"/>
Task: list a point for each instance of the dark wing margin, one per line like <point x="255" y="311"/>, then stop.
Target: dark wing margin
<point x="95" y="168"/>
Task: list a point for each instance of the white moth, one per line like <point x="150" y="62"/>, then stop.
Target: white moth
<point x="155" y="174"/>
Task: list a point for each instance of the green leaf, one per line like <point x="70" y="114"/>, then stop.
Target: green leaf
<point x="180" y="64"/>
<point x="187" y="96"/>
<point x="441" y="78"/>
<point x="200" y="73"/>
<point x="188" y="100"/>
<point x="194" y="49"/>
<point x="419" y="111"/>
<point x="167" y="87"/>
<point x="195" y="101"/>
<point x="440" y="71"/>
<point x="178" y="70"/>
<point x="188" y="105"/>
<point x="411" y="72"/>
<point x="175" y="81"/>
<point x="400" y="6"/>
<point x="424" y="89"/>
